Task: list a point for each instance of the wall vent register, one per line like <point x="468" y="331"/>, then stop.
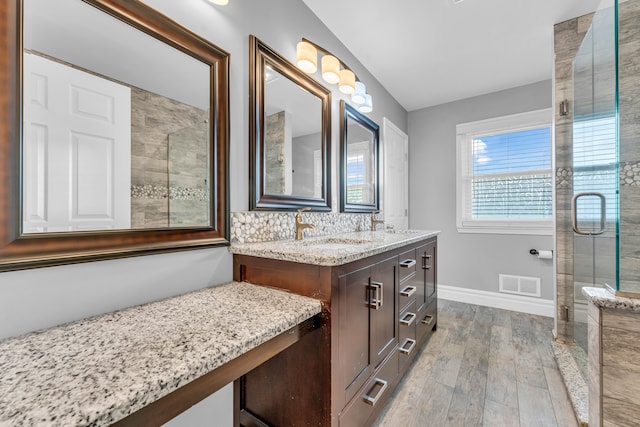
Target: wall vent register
<point x="519" y="285"/>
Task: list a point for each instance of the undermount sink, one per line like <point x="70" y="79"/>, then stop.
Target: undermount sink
<point x="337" y="241"/>
<point x="393" y="231"/>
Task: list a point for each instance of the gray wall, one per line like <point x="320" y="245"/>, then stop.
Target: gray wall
<point x="302" y="150"/>
<point x="40" y="298"/>
<point x="469" y="260"/>
<point x="44" y="297"/>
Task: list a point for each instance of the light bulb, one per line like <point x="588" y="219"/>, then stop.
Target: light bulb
<point x="347" y="83"/>
<point x="306" y="57"/>
<point x="367" y="106"/>
<point x="358" y="96"/>
<point x="330" y="69"/>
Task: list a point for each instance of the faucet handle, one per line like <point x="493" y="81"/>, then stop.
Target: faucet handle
<point x="299" y="214"/>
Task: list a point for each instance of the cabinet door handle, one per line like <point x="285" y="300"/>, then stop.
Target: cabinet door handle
<point x="408" y="319"/>
<point x="426" y="258"/>
<point x="373" y="400"/>
<point x="406" y="350"/>
<point x="427" y="319"/>
<point x="377" y="301"/>
<point x="408" y="263"/>
<point x="408" y="291"/>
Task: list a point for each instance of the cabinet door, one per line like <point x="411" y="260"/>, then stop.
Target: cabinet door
<point x="420" y="280"/>
<point x="426" y="278"/>
<point x="384" y="314"/>
<point x="429" y="262"/>
<point x="354" y="330"/>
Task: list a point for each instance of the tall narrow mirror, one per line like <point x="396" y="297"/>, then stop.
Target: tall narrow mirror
<point x="289" y="134"/>
<point x="359" y="142"/>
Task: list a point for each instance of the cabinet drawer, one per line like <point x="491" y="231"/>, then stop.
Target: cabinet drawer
<point x="373" y="396"/>
<point x="407" y="262"/>
<point x="426" y="320"/>
<point x="408" y="343"/>
<point x="407" y="294"/>
<point x="407" y="321"/>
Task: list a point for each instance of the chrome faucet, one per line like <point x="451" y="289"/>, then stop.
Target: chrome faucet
<point x="300" y="225"/>
<point x="375" y="221"/>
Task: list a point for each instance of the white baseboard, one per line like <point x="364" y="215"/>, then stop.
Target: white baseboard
<point x="541" y="307"/>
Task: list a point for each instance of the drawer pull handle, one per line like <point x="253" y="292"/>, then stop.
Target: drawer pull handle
<point x="408" y="263"/>
<point x="376" y="300"/>
<point x="427" y="320"/>
<point x="408" y="319"/>
<point x="425" y="265"/>
<point x="373" y="400"/>
<point x="408" y="291"/>
<point x="404" y="348"/>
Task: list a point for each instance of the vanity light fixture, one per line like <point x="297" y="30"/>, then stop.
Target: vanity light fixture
<point x="367" y="106"/>
<point x="307" y="57"/>
<point x="358" y="96"/>
<point x="220" y="2"/>
<point x="333" y="71"/>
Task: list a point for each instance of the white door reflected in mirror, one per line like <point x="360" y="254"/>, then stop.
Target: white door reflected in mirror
<point x="77" y="150"/>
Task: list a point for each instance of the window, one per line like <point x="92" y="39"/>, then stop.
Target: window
<point x="505" y="182"/>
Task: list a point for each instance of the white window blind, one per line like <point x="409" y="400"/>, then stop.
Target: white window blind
<point x="505" y="182"/>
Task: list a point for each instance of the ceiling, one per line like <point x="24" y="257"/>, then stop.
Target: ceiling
<point x="428" y="52"/>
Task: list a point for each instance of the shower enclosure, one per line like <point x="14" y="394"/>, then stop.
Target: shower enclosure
<point x="594" y="203"/>
<point x="597" y="155"/>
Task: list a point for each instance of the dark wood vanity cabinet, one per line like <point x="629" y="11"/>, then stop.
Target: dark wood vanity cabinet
<point x="377" y="313"/>
<point x="368" y="330"/>
<point x="418" y="298"/>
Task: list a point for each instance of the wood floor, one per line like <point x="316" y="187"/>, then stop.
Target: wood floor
<point x="482" y="367"/>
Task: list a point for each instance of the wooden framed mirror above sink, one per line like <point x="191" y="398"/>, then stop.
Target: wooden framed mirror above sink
<point x="359" y="161"/>
<point x="115" y="134"/>
<point x="289" y="134"/>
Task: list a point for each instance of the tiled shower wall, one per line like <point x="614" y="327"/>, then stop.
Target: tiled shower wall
<point x="275" y="168"/>
<point x="153" y="119"/>
<point x="568" y="38"/>
<point x="629" y="144"/>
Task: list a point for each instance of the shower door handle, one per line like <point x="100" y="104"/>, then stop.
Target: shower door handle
<point x="603" y="214"/>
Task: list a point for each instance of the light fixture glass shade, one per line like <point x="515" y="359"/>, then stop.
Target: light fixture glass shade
<point x="367" y="107"/>
<point x="220" y="2"/>
<point x="307" y="57"/>
<point x="347" y="82"/>
<point x="358" y="96"/>
<point x="330" y="69"/>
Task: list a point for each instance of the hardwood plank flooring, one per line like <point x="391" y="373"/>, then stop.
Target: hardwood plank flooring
<point x="482" y="367"/>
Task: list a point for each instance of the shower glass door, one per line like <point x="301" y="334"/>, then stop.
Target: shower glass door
<point x="595" y="166"/>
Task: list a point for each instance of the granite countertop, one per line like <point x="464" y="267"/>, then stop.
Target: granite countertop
<point x="603" y="298"/>
<point x="96" y="371"/>
<point x="336" y="249"/>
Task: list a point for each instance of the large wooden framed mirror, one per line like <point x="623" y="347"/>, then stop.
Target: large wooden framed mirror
<point x="290" y="134"/>
<point x="115" y="134"/>
<point x="359" y="161"/>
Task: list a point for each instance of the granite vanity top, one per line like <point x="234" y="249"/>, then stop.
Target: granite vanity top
<point x="335" y="249"/>
<point x="603" y="298"/>
<point x="96" y="371"/>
